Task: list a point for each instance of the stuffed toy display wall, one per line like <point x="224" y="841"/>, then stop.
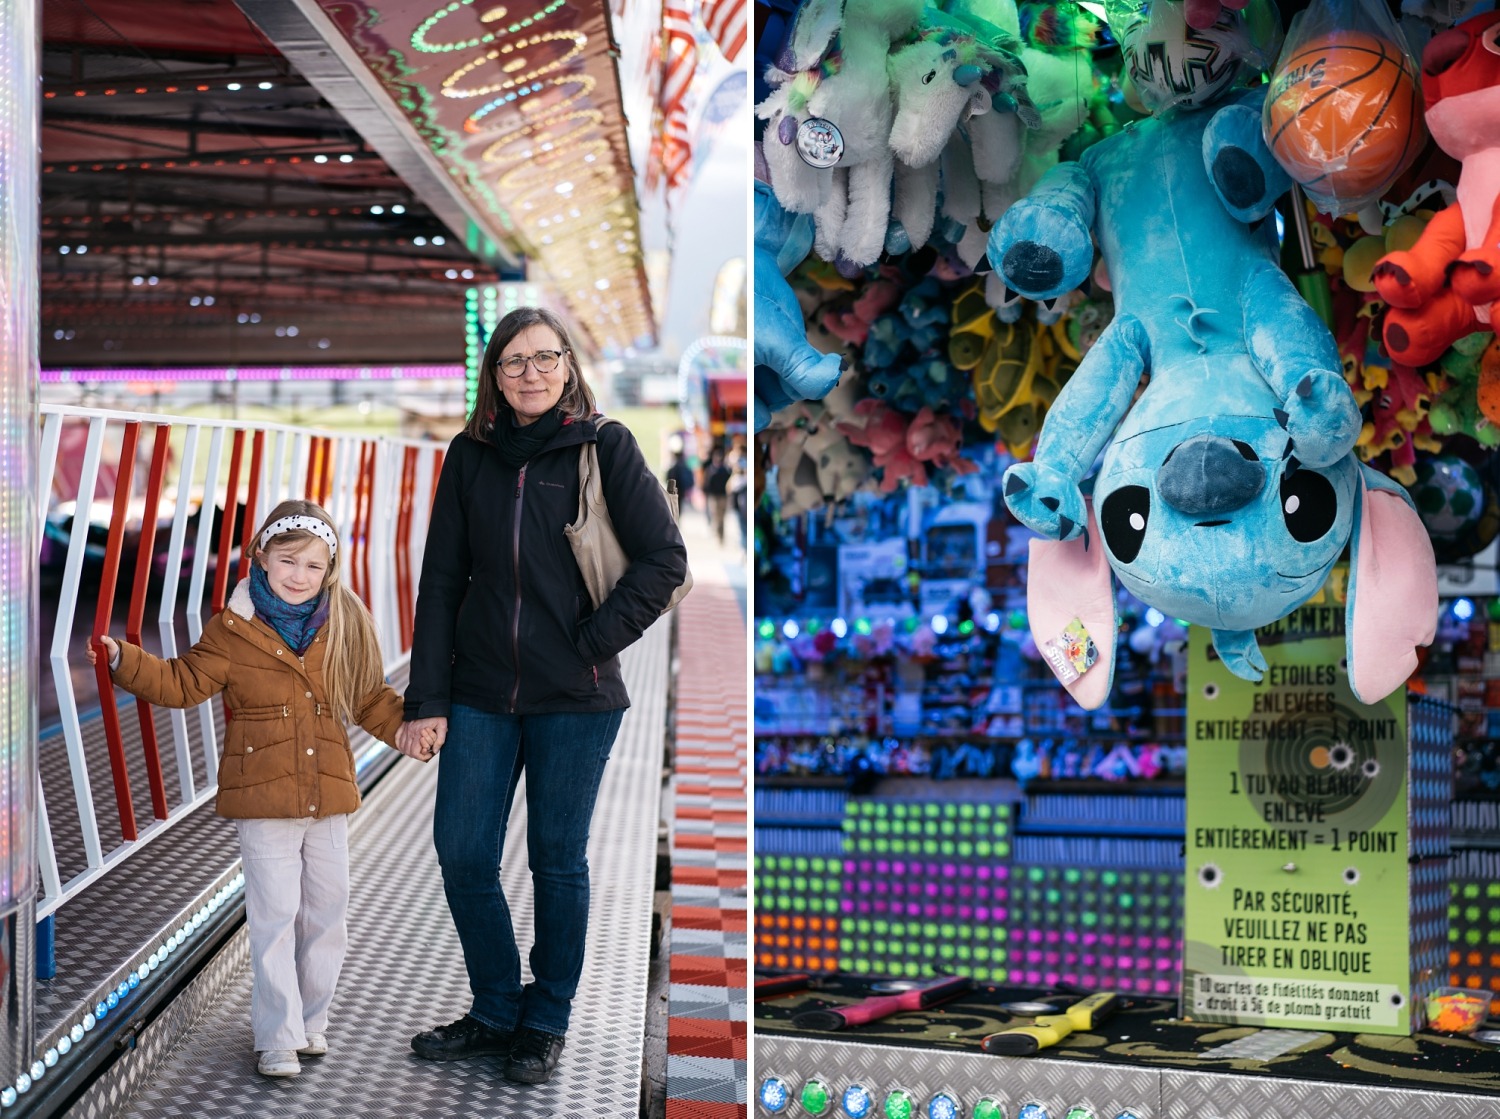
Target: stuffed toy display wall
<point x="1228" y="490"/>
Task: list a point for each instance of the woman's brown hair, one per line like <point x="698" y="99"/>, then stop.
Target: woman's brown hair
<point x="352" y="666"/>
<point x="577" y="400"/>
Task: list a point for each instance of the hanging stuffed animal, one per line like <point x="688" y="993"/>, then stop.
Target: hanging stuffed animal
<point x="827" y="139"/>
<point x="1448" y="283"/>
<point x="1228" y="490"/>
<point x="787" y="368"/>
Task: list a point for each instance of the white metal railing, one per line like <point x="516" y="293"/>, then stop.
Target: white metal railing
<point x="377" y="489"/>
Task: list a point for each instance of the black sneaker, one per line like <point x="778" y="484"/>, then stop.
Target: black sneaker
<point x="533" y="1056"/>
<point x="468" y="1037"/>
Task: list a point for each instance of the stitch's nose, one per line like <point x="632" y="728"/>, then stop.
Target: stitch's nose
<point x="1209" y="474"/>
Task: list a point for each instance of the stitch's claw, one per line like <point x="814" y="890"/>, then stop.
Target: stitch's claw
<point x="1045" y="501"/>
<point x="1321" y="417"/>
<point x="1240" y="652"/>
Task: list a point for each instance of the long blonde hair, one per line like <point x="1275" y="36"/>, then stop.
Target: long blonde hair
<point x="352" y="666"/>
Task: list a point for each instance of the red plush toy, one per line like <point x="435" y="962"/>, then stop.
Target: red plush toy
<point x="1447" y="284"/>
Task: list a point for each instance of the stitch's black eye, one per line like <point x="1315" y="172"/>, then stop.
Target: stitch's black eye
<point x="1308" y="505"/>
<point x="1123" y="519"/>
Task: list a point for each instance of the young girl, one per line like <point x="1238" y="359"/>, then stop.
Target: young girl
<point x="297" y="657"/>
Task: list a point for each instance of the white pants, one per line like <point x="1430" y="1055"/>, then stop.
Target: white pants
<point x="296" y="897"/>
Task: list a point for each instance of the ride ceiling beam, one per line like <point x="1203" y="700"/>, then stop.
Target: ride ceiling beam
<point x="252" y="124"/>
<point x="308" y="39"/>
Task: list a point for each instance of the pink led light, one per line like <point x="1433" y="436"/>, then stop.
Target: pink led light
<point x="965" y="913"/>
<point x="1051" y="978"/>
<point x="259" y="373"/>
<point x="1163" y="987"/>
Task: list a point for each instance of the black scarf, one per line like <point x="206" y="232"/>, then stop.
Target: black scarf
<point x="517" y="444"/>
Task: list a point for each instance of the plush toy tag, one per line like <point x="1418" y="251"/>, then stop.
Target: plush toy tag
<point x="1071" y="653"/>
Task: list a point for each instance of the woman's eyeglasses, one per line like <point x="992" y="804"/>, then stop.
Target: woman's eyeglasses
<point x="545" y="361"/>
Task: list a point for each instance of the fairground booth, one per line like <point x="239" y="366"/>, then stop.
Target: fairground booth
<point x="1125" y="576"/>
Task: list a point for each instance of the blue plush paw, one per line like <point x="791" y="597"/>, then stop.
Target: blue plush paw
<point x="1240" y="653"/>
<point x="1045" y="501"/>
<point x="1040" y="250"/>
<point x="1322" y="418"/>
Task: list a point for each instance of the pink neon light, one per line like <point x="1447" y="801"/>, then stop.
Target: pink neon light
<point x="260" y="373"/>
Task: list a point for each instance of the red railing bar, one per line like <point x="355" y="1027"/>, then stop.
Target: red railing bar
<point x="351" y="544"/>
<point x="102" y="616"/>
<point x="136" y="617"/>
<point x="403" y="545"/>
<point x="252" y="496"/>
<point x="367" y="481"/>
<point x="312" y="465"/>
<point x="325" y="483"/>
<point x="226" y="530"/>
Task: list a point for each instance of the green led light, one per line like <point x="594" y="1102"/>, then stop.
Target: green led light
<point x="815" y="1097"/>
<point x="766" y="628"/>
<point x="1079" y="1112"/>
<point x="988" y="1107"/>
<point x="899" y="1104"/>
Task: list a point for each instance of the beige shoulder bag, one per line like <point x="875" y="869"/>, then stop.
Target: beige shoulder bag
<point x="592" y="536"/>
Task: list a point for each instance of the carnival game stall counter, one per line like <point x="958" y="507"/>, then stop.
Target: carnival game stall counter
<point x="1142" y="1061"/>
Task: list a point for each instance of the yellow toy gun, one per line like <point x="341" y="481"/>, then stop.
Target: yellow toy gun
<point x="1049" y="1029"/>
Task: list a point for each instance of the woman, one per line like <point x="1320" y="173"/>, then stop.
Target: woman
<point x="515" y="669"/>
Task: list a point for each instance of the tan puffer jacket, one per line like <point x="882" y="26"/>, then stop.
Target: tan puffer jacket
<point x="286" y="755"/>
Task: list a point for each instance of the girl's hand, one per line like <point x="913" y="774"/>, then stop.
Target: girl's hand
<point x="111" y="646"/>
<point x="421" y="738"/>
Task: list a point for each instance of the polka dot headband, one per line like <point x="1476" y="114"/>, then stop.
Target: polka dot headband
<point x="315" y="525"/>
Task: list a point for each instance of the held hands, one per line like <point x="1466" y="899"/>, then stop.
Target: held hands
<point x="111" y="646"/>
<point x="422" y="738"/>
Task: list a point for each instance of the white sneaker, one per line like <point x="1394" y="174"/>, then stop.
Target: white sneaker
<point x="278" y="1062"/>
<point x="317" y="1045"/>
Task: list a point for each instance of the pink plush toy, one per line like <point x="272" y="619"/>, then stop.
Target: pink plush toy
<point x="938" y="440"/>
<point x="853" y="325"/>
<point x="1447" y="285"/>
<point x="883" y="432"/>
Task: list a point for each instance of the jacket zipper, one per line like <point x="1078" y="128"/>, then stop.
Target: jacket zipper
<point x="515" y="636"/>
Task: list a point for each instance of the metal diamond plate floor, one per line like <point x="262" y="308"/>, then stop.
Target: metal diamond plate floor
<point x="405" y="972"/>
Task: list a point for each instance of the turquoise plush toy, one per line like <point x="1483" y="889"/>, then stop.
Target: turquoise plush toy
<point x="1228" y="490"/>
<point x="787" y="367"/>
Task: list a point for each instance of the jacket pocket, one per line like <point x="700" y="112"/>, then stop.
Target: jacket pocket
<point x="258" y="745"/>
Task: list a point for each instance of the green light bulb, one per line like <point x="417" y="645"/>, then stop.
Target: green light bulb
<point x="815" y="1097"/>
<point x="899" y="1104"/>
<point x="988" y="1107"/>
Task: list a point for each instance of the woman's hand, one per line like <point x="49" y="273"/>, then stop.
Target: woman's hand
<point x="111" y="646"/>
<point x="422" y="738"/>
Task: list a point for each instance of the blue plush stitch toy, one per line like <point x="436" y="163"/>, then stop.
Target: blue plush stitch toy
<point x="787" y="368"/>
<point x="1228" y="490"/>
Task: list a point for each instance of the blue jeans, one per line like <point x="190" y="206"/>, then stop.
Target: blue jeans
<point x="563" y="756"/>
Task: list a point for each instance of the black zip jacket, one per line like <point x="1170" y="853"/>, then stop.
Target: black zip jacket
<point x="503" y="620"/>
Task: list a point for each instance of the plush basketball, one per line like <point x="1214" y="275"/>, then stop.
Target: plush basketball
<point x="1344" y="117"/>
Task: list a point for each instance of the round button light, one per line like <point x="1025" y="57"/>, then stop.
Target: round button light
<point x="900" y="1104"/>
<point x="774" y="1095"/>
<point x="816" y="1098"/>
<point x="944" y="1105"/>
<point x="858" y="1102"/>
<point x="988" y="1107"/>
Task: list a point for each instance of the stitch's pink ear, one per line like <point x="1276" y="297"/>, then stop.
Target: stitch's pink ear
<point x="1393" y="599"/>
<point x="1067" y="580"/>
